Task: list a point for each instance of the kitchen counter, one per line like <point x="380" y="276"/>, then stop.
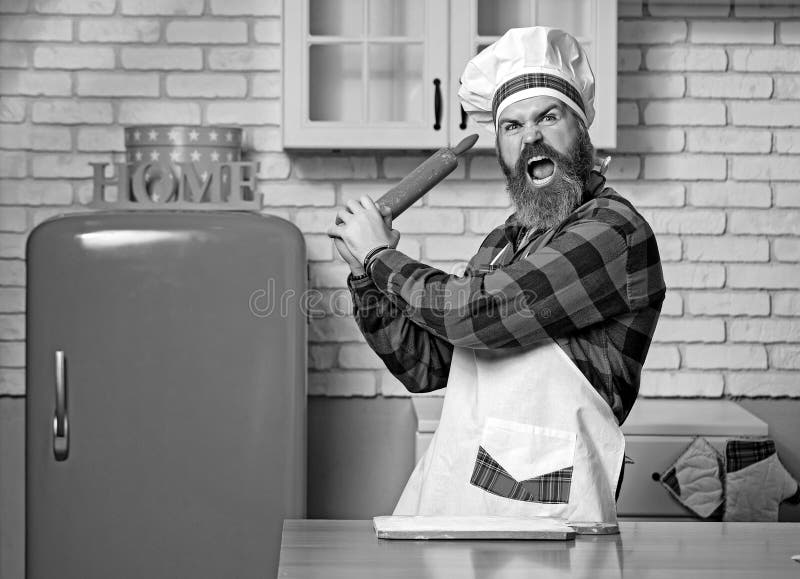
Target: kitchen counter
<point x="339" y="549"/>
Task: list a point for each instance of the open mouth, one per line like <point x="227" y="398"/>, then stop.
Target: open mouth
<point x="541" y="170"/>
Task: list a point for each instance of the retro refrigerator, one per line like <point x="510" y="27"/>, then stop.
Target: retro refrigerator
<point x="166" y="394"/>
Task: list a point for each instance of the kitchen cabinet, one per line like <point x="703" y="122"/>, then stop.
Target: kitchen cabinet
<point x="384" y="74"/>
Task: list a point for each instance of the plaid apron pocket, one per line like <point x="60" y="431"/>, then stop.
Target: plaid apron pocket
<point x="524" y="462"/>
<point x="548" y="488"/>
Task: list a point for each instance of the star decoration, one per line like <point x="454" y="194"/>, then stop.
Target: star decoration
<point x="204" y="147"/>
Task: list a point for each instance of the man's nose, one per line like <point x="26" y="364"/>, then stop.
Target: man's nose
<point x="532" y="134"/>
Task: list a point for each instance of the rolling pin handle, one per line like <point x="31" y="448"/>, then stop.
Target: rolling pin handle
<point x="465" y="144"/>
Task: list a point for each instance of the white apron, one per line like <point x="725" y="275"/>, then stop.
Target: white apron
<point x="522" y="433"/>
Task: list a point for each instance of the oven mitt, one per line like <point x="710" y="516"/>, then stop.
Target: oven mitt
<point x="695" y="478"/>
<point x="756" y="482"/>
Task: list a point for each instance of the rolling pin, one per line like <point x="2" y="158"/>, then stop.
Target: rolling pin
<point x="423" y="178"/>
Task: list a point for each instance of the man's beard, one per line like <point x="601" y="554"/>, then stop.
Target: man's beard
<point x="540" y="208"/>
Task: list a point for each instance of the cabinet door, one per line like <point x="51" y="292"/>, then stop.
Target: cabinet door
<point x="365" y="73"/>
<point x="593" y="23"/>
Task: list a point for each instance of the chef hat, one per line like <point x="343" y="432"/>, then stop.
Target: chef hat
<point x="527" y="62"/>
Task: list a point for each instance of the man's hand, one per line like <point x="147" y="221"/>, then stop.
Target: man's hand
<point x="356" y="267"/>
<point x="363" y="227"/>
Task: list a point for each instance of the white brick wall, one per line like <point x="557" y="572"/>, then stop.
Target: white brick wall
<point x="686" y="58"/>
<point x="776" y="59"/>
<point x="738" y="118"/>
<point x="729" y="85"/>
<point x="730" y="194"/>
<point x="709" y="150"/>
<point x="732" y="32"/>
<point x="713" y="8"/>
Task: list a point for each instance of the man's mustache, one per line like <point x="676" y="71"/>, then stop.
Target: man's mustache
<point x="530" y="150"/>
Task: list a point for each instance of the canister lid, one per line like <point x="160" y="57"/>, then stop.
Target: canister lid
<point x="182" y="136"/>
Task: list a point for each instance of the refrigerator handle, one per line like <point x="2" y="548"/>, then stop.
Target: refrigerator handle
<point x="60" y="423"/>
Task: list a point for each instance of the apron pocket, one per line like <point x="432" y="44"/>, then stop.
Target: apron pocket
<point x="524" y="462"/>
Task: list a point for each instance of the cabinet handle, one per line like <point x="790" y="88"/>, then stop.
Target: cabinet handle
<point x="463" y="124"/>
<point x="437" y="104"/>
<point x="60" y="422"/>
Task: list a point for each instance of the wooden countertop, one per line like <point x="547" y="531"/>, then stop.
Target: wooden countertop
<point x="700" y="550"/>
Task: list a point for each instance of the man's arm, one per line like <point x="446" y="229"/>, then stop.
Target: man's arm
<point x="589" y="272"/>
<point x="420" y="360"/>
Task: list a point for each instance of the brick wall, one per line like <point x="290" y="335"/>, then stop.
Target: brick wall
<point x="709" y="131"/>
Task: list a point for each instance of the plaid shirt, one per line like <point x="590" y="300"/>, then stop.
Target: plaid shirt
<point x="593" y="284"/>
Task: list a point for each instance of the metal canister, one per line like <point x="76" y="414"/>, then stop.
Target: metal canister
<point x="161" y="155"/>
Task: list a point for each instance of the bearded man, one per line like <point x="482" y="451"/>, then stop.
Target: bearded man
<point x="541" y="342"/>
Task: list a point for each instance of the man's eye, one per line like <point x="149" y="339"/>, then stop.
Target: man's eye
<point x="550" y="118"/>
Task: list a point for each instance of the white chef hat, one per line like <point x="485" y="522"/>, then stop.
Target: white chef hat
<point x="527" y="62"/>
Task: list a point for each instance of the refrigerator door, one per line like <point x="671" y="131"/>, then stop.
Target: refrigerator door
<point x="165" y="416"/>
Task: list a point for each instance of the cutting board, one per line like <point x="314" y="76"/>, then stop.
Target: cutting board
<point x="416" y="528"/>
